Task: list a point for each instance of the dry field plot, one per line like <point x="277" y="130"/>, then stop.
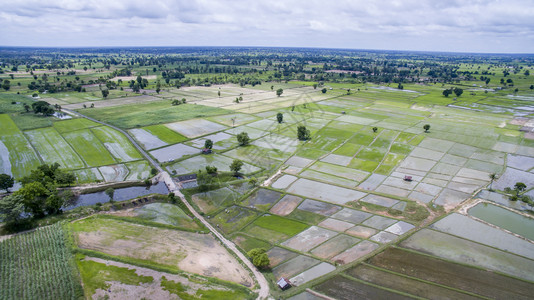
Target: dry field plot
<point x="192" y="252"/>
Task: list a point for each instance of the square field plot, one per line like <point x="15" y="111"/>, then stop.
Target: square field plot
<point x="195" y="127"/>
<point x="352" y="254"/>
<point x="262" y="198"/>
<point x="286" y="205"/>
<point x="351" y="215"/>
<point x="147" y="139"/>
<point x="173" y="152"/>
<point x="318" y="207"/>
<point x="309" y="238"/>
<point x="284" y="181"/>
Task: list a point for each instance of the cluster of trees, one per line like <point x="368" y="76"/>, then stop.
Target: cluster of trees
<point x="457" y="91"/>
<point x="39" y="195"/>
<point x="303" y="134"/>
<point x="259" y="258"/>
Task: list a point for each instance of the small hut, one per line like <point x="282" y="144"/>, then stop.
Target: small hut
<point x="283" y="284"/>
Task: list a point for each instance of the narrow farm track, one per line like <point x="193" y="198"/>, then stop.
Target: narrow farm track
<point x="263" y="292"/>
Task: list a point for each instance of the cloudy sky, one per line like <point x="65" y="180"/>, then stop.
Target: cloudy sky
<point x="505" y="26"/>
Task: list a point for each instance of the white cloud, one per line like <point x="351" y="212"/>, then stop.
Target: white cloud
<point x="453" y="25"/>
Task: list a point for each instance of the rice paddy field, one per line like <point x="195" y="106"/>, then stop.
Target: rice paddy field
<point x="371" y="205"/>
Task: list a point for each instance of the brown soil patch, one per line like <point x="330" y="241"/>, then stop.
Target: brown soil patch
<point x="192" y="252"/>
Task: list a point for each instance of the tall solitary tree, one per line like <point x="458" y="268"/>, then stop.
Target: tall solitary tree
<point x="279" y="92"/>
<point x="303" y="134"/>
<point x="105" y="93"/>
<point x="426" y="127"/>
<point x="446" y="93"/>
<point x="243" y="139"/>
<point x="236" y="166"/>
<point x="208" y="144"/>
<point x="279" y="117"/>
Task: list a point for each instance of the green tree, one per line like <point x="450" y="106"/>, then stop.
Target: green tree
<point x="279" y="92"/>
<point x="323" y="91"/>
<point x="519" y="187"/>
<point x="6" y="182"/>
<point x="219" y="93"/>
<point x="315" y="86"/>
<point x="243" y="139"/>
<point x="279" y="117"/>
<point x="204" y="180"/>
<point x="426" y="127"/>
<point x="212" y="170"/>
<point x="12" y="209"/>
<point x="458" y="92"/>
<point x="303" y="134"/>
<point x="110" y="192"/>
<point x="447" y="92"/>
<point x="105" y="93"/>
<point x="153" y="171"/>
<point x="208" y="144"/>
<point x="6" y="84"/>
<point x="236" y="166"/>
<point x="492" y="178"/>
<point x="375" y="129"/>
<point x="34" y="194"/>
<point x="259" y="258"/>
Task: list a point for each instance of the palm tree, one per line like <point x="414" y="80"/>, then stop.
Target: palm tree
<point x="492" y="177"/>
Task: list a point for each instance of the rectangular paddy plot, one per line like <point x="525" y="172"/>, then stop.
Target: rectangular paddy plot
<point x="461" y="277"/>
<point x="504" y="218"/>
<point x="117" y="144"/>
<point x="273" y="228"/>
<point x="343" y="288"/>
<point x="53" y="148"/>
<point x="361" y="249"/>
<point x="147" y="139"/>
<point x="173" y="152"/>
<point x="294" y="266"/>
<point x="334" y="246"/>
<point x="195" y="127"/>
<point x="403" y="284"/>
<point x="279" y="255"/>
<point x="286" y="205"/>
<point x="309" y="238"/>
<point x="467" y="252"/>
<point x="312" y="273"/>
<point x="262" y="199"/>
<point x="323" y="191"/>
<point x="473" y="230"/>
<point x="85" y="143"/>
<point x="234" y="218"/>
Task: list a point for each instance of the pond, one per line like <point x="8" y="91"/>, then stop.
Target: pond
<point x="504" y="218"/>
<point x="120" y="194"/>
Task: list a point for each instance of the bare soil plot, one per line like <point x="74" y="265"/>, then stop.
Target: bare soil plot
<point x="361" y="231"/>
<point x="468" y="228"/>
<point x="400" y="228"/>
<point x="323" y="191"/>
<point x="334" y="246"/>
<point x="384" y="237"/>
<point x="278" y="255"/>
<point x="309" y="238"/>
<point x="323" y="208"/>
<point x="286" y="205"/>
<point x="474" y="280"/>
<point x="352" y="215"/>
<point x="361" y="249"/>
<point x="294" y="266"/>
<point x="342" y="288"/>
<point x="403" y="284"/>
<point x="335" y="225"/>
<point x="372" y="182"/>
<point x="312" y="273"/>
<point x="195" y="127"/>
<point x="147" y="139"/>
<point x="467" y="252"/>
<point x="192" y="252"/>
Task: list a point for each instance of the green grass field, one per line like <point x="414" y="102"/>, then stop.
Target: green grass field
<point x="165" y="134"/>
<point x="280" y="224"/>
<point x="116" y="143"/>
<point x="73" y="125"/>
